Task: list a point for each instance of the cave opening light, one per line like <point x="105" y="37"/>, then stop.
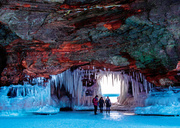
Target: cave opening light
<point x="110" y="87"/>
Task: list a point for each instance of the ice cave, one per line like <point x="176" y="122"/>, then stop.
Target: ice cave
<point x="57" y="55"/>
<point x="74" y="89"/>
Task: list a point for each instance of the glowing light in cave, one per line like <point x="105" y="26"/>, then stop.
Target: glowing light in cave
<point x="110" y="87"/>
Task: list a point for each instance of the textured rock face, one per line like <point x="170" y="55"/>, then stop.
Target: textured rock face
<point x="45" y="37"/>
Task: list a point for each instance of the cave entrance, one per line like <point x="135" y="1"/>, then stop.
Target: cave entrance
<point x="123" y="87"/>
<point x="110" y="87"/>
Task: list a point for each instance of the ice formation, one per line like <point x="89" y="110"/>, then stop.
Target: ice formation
<point x="161" y="101"/>
<point x="120" y="81"/>
<point x="80" y="86"/>
<point x="25" y="98"/>
<point x="72" y="81"/>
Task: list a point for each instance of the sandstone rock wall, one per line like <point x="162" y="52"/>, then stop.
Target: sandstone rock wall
<point x="43" y="38"/>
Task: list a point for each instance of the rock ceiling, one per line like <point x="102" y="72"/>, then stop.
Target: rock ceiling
<point x="44" y="37"/>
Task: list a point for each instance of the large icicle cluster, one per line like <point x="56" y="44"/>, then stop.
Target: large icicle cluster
<point x="136" y="81"/>
<point x="73" y="83"/>
<point x="72" y="88"/>
<point x="27" y="97"/>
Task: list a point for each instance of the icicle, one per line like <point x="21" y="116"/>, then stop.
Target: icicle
<point x="133" y="92"/>
<point x="133" y="74"/>
<point x="145" y="85"/>
<point x="141" y="76"/>
<point x="89" y="74"/>
<point x="23" y="91"/>
<point x="141" y="87"/>
<point x="86" y="72"/>
<point x="112" y="79"/>
<point x="17" y="92"/>
<point x="136" y="76"/>
<point x="108" y="70"/>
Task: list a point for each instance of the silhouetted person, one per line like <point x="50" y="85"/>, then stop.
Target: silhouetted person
<point x="108" y="104"/>
<point x="95" y="103"/>
<point x="101" y="104"/>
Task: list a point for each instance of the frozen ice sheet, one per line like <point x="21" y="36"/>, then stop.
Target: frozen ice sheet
<point x="87" y="119"/>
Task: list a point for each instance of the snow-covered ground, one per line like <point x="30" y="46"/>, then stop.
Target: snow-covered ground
<point x="87" y="119"/>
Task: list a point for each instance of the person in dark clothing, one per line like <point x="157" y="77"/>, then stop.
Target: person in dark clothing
<point x="108" y="104"/>
<point x="95" y="103"/>
<point x="101" y="104"/>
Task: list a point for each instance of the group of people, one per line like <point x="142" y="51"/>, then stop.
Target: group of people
<point x="101" y="104"/>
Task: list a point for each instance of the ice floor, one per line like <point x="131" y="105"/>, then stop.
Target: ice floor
<point x="86" y="119"/>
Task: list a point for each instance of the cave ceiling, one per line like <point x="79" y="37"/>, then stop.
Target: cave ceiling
<point x="45" y="37"/>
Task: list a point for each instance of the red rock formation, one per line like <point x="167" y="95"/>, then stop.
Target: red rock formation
<point x="117" y="35"/>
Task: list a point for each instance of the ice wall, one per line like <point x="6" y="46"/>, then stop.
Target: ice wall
<point x="25" y="98"/>
<point x="162" y="101"/>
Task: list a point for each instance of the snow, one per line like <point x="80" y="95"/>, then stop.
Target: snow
<point x="87" y="119"/>
<point x="47" y="110"/>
